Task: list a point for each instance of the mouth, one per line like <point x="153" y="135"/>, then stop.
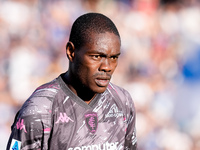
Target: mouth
<point x="102" y="82"/>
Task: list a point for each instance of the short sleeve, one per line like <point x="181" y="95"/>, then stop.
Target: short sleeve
<point x="32" y="126"/>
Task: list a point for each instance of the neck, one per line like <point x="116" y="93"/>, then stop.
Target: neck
<point x="79" y="89"/>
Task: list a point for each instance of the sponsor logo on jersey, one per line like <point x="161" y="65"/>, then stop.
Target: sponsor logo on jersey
<point x="15" y="145"/>
<point x="105" y="146"/>
<point x="20" y="125"/>
<point x="114" y="112"/>
<point x="64" y="118"/>
<point x="91" y="120"/>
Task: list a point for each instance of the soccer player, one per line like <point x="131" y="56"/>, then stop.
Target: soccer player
<point x="80" y="109"/>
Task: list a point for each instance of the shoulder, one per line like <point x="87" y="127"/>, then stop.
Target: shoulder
<point x="119" y="90"/>
<point x="50" y="87"/>
<point x="122" y="93"/>
<point x="40" y="102"/>
<point x="123" y="98"/>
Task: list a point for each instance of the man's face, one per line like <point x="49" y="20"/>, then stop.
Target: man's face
<point x="95" y="62"/>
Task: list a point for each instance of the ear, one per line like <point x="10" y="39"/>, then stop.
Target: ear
<point x="70" y="51"/>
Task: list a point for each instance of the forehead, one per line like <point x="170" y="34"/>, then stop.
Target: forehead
<point x="103" y="42"/>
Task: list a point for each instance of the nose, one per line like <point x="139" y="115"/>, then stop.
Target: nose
<point x="105" y="65"/>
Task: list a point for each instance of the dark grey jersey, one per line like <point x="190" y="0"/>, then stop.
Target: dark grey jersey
<point x="54" y="118"/>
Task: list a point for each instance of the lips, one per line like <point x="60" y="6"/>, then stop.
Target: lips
<point x="102" y="81"/>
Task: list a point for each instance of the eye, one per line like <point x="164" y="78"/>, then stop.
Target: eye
<point x="114" y="57"/>
<point x="96" y="57"/>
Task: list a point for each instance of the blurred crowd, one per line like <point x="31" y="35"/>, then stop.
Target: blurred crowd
<point x="159" y="64"/>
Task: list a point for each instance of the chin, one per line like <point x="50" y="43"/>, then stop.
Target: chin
<point x="100" y="89"/>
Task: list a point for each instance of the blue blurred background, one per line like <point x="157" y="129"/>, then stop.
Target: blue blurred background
<point x="159" y="65"/>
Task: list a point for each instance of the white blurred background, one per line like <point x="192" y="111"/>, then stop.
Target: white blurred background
<point x="159" y="65"/>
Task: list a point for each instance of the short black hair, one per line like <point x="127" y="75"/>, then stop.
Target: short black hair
<point x="90" y="23"/>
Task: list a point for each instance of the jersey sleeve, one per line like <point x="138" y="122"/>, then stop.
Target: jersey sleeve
<point x="130" y="139"/>
<point x="31" y="127"/>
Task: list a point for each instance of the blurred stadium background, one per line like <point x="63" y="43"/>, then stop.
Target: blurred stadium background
<point x="159" y="65"/>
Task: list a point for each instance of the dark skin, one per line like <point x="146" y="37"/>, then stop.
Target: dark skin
<point x="91" y="66"/>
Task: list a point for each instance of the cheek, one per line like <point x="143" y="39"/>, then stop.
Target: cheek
<point x="86" y="72"/>
<point x="91" y="67"/>
<point x="113" y="66"/>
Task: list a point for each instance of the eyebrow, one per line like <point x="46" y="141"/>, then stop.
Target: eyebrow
<point x="116" y="54"/>
<point x="101" y="53"/>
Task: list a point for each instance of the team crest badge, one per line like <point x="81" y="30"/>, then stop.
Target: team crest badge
<point x="91" y="121"/>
